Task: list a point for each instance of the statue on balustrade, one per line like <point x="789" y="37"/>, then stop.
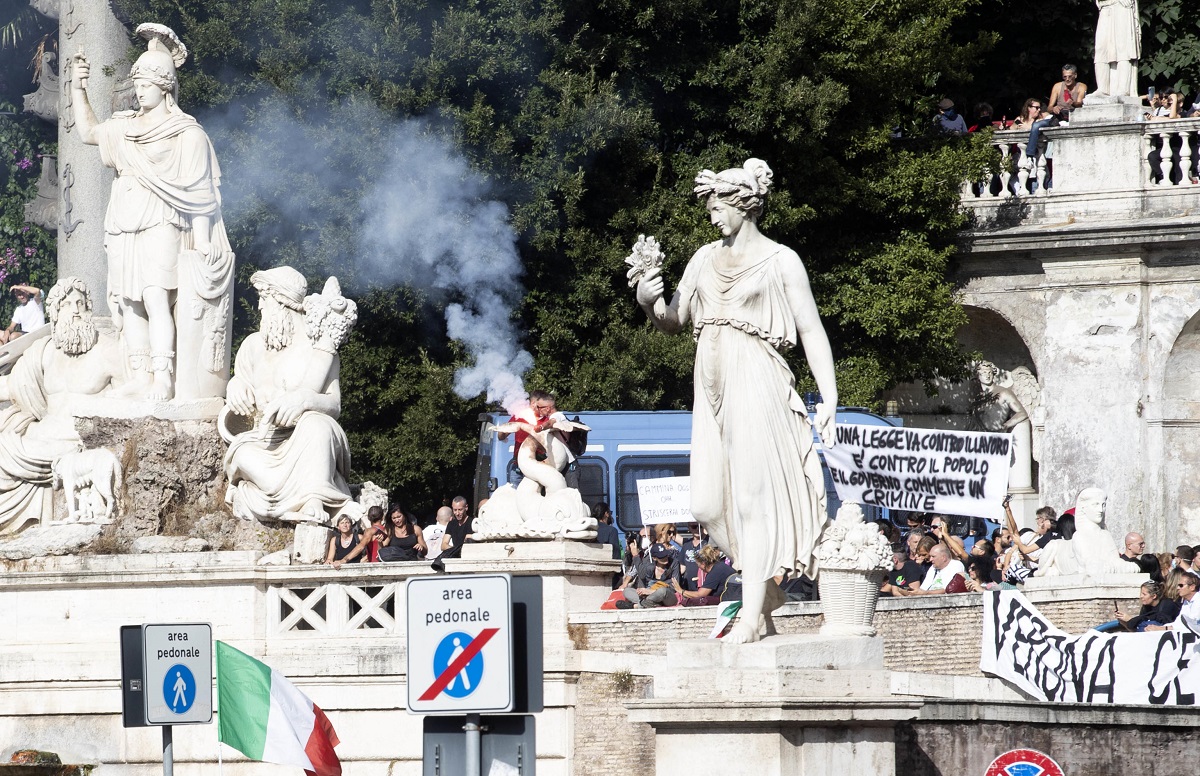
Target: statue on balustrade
<point x="1092" y="551"/>
<point x="288" y="458"/>
<point x="1118" y="47"/>
<point x="998" y="409"/>
<point x="170" y="265"/>
<point x="757" y="486"/>
<point x="38" y="429"/>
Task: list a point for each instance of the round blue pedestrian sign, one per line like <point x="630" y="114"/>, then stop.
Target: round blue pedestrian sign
<point x="179" y="688"/>
<point x="448" y="654"/>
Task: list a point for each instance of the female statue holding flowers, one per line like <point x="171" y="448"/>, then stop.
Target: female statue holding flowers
<point x="757" y="485"/>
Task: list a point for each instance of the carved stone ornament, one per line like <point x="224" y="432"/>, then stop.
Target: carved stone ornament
<point x="43" y="210"/>
<point x="43" y="103"/>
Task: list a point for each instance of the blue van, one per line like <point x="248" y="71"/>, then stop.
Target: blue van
<point x="624" y="447"/>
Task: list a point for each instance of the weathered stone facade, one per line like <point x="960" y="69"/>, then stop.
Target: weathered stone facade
<point x="1094" y="285"/>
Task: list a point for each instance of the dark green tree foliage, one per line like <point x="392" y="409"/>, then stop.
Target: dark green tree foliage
<point x="590" y="119"/>
<point x="1171" y="45"/>
<point x="27" y="251"/>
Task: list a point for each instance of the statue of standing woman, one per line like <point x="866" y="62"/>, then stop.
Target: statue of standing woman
<point x="757" y="486"/>
<point x="170" y="265"/>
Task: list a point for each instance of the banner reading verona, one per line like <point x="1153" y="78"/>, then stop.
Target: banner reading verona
<point x="921" y="469"/>
<point x="1023" y="647"/>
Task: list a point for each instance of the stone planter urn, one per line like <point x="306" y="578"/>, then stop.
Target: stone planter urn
<point x="853" y="555"/>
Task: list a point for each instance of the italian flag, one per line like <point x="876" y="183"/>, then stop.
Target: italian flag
<point x="725" y="615"/>
<point x="262" y="715"/>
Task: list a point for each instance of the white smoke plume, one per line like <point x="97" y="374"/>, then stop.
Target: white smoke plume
<point x="425" y="218"/>
<point x="429" y="213"/>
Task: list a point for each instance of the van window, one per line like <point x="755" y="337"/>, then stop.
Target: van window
<point x="632" y="468"/>
<point x="593" y="480"/>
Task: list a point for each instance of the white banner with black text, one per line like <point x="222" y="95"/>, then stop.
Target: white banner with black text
<point x="1161" y="668"/>
<point x="921" y="469"/>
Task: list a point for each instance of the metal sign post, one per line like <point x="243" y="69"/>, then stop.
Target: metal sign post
<point x="475" y="646"/>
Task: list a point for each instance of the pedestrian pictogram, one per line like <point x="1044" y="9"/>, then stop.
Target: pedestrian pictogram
<point x="460" y="655"/>
<point x="1024" y="762"/>
<point x="179" y="689"/>
<point x="458" y="664"/>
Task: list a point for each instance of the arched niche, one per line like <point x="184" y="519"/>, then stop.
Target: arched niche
<point x="987" y="333"/>
<point x="1181" y="435"/>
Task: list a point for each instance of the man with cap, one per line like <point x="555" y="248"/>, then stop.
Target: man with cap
<point x="948" y="119"/>
<point x="654" y="585"/>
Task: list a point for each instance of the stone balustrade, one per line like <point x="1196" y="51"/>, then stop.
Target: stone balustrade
<point x="1106" y="166"/>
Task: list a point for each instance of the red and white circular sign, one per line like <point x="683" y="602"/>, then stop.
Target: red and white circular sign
<point x="1023" y="762"/>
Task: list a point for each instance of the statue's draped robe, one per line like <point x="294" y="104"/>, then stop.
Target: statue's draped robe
<point x="1118" y="31"/>
<point x="166" y="176"/>
<point x="276" y="471"/>
<point x="30" y="442"/>
<point x="756" y="481"/>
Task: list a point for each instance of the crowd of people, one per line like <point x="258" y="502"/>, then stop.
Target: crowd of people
<point x="396" y="536"/>
<point x="936" y="555"/>
<point x="1066" y="96"/>
<point x="934" y="560"/>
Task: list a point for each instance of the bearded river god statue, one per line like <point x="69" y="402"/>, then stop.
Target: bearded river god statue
<point x="38" y="428"/>
<point x="170" y="265"/>
<point x="757" y="486"/>
<point x="288" y="459"/>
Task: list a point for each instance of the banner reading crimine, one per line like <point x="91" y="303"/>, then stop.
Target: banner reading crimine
<point x="921" y="469"/>
<point x="1023" y="647"/>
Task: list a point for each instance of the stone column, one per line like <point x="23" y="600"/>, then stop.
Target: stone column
<point x="84" y="183"/>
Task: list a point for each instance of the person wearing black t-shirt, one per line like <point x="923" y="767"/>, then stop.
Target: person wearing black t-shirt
<point x="716" y="577"/>
<point x="459" y="530"/>
<point x="905" y="573"/>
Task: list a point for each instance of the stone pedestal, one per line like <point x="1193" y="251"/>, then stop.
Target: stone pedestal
<point x="1103" y="154"/>
<point x="816" y="705"/>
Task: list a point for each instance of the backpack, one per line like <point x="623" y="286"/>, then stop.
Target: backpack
<point x="577" y="440"/>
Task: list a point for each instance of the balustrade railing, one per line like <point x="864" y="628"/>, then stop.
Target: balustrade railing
<point x="1020" y="174"/>
<point x="1169" y="152"/>
<point x="1172" y="148"/>
<point x="333" y="609"/>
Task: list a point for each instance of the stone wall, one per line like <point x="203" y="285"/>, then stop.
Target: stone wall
<point x="937" y="635"/>
<point x="1096" y="742"/>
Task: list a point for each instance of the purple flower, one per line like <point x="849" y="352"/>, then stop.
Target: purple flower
<point x="24" y="164"/>
<point x="29" y="252"/>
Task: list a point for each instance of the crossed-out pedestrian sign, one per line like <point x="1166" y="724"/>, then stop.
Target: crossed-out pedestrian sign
<point x="460" y="657"/>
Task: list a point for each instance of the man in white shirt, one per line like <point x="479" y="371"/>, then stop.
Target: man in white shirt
<point x="28" y="315"/>
<point x="433" y="533"/>
<point x="1189" y="605"/>
<point x="944" y="569"/>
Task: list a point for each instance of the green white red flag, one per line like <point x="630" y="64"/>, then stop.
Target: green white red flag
<point x="262" y="715"/>
<point x="725" y="614"/>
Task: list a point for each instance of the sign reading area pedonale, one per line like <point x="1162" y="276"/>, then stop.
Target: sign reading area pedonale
<point x="921" y="469"/>
<point x="1024" y="648"/>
